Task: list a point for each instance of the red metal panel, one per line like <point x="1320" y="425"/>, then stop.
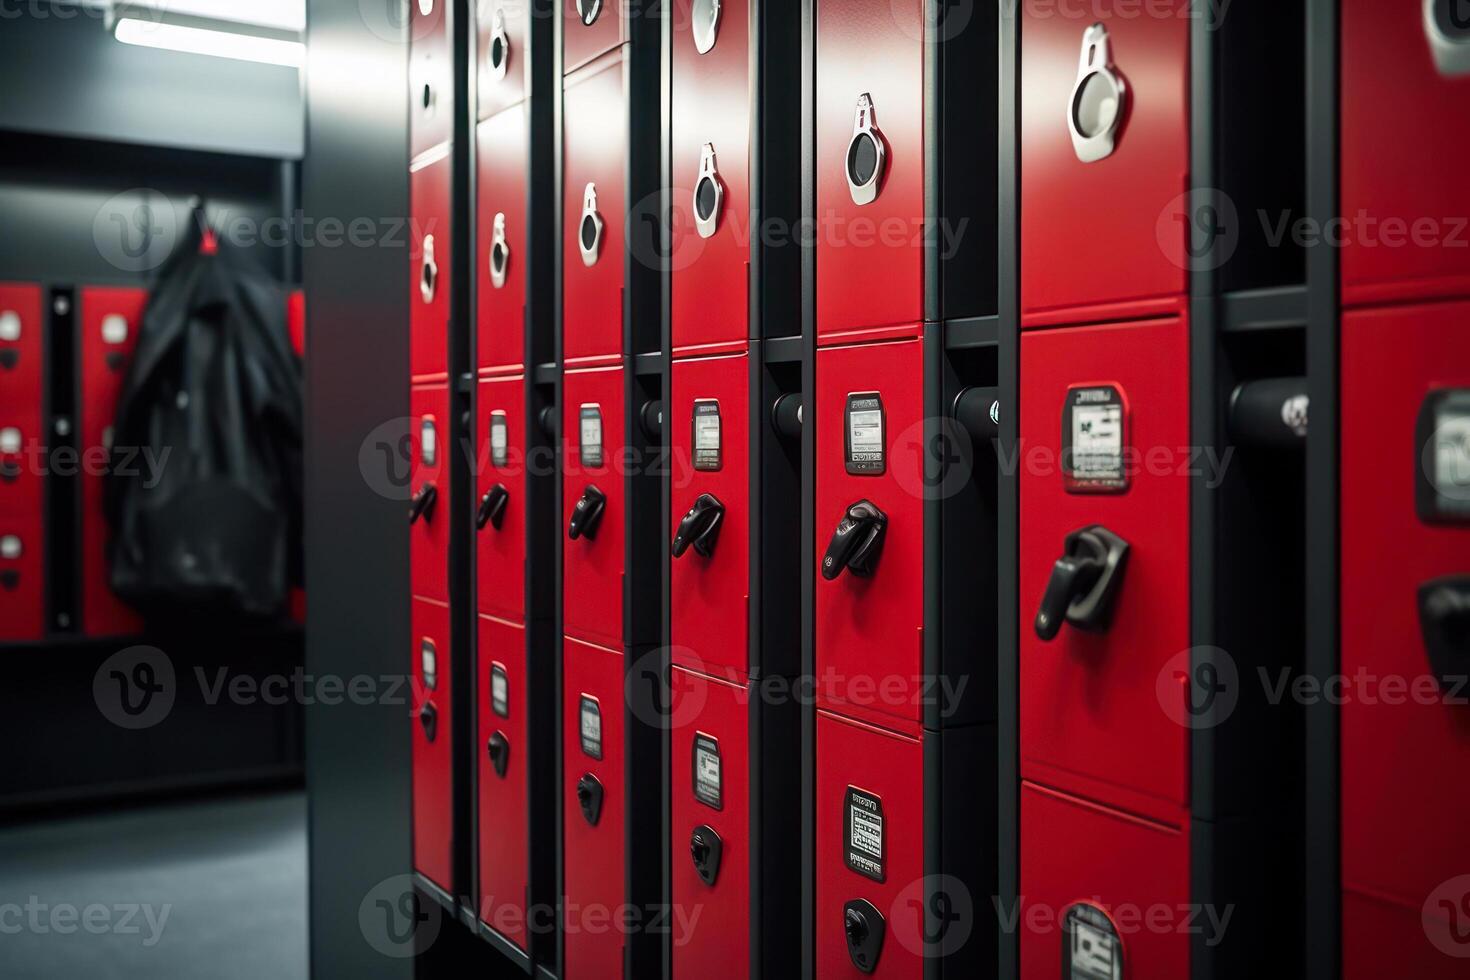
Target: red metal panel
<point x="593" y="854"/>
<point x="582" y="41"/>
<point x="433" y="769"/>
<point x="1104" y="240"/>
<point x="593" y="566"/>
<point x="110" y="320"/>
<point x="428" y="542"/>
<point x="431" y="71"/>
<point x="709" y="596"/>
<point x="875" y="764"/>
<point x="1405" y="738"/>
<point x="595" y="150"/>
<point x="501" y="263"/>
<point x="870" y="270"/>
<point x="1385" y="939"/>
<point x="1405" y="140"/>
<point x="1134" y="871"/>
<point x="296" y="320"/>
<point x="502" y="551"/>
<point x="711" y="107"/>
<point x="710" y="721"/>
<point x="869" y="631"/>
<point x="22" y="488"/>
<point x="504" y="835"/>
<point x="1095" y="719"/>
<point x="429" y="270"/>
<point x="503" y="52"/>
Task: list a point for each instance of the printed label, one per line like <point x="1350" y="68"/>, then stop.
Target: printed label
<point x="591" y="727"/>
<point x="429" y="663"/>
<point x="590" y="443"/>
<point x="707" y="785"/>
<point x="866" y="437"/>
<point x="499" y="691"/>
<point x="499" y="438"/>
<point x="706" y="440"/>
<point x="863" y="849"/>
<point x="1094" y="437"/>
<point x="1444" y="464"/>
<point x="429" y="443"/>
<point x="1091" y="949"/>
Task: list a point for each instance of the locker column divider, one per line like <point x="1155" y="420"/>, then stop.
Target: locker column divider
<point x="808" y="482"/>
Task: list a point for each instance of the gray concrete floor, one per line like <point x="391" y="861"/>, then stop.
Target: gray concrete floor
<point x="212" y="890"/>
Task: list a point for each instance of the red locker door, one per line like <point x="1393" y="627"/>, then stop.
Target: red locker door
<point x="711" y="149"/>
<point x="1405" y="566"/>
<point x="710" y="585"/>
<point x="595" y="150"/>
<point x="870" y="848"/>
<point x="503" y="52"/>
<point x="1405" y="138"/>
<point x="593" y="470"/>
<point x="870" y="167"/>
<point x="22" y="493"/>
<point x="433" y="779"/>
<point x="590" y="28"/>
<point x="501" y="264"/>
<point x="1104" y="893"/>
<point x="710" y="810"/>
<point x="500" y="510"/>
<point x="870" y="613"/>
<point x="503" y="760"/>
<point x="110" y="319"/>
<point x="1104" y="162"/>
<point x="428" y="271"/>
<point x="431" y="67"/>
<point x="429" y="508"/>
<point x="592" y="769"/>
<point x="1114" y="400"/>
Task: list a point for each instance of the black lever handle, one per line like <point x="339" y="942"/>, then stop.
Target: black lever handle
<point x="700" y="527"/>
<point x="587" y="514"/>
<point x="857" y="542"/>
<point x="499" y="750"/>
<point x="492" y="507"/>
<point x="1084" y="582"/>
<point x="429" y="718"/>
<point x="422" y="504"/>
<point x="1444" y="620"/>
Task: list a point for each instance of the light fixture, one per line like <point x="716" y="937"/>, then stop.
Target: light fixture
<point x="214" y="42"/>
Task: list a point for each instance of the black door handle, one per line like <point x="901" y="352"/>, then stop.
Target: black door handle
<point x="1444" y="620"/>
<point x="499" y="749"/>
<point x="492" y="507"/>
<point x="700" y="527"/>
<point x="429" y="718"/>
<point x="705" y="847"/>
<point x="589" y="798"/>
<point x="587" y="514"/>
<point x="422" y="504"/>
<point x="1084" y="582"/>
<point x="863" y="926"/>
<point x="857" y="542"/>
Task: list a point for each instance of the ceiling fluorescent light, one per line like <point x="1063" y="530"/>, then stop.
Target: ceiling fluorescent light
<point x="207" y="41"/>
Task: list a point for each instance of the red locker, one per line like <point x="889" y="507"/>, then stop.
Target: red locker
<point x="110" y="319"/>
<point x="429" y="507"/>
<point x="1104" y="160"/>
<point x="591" y="28"/>
<point x="870" y="588"/>
<point x="296" y="320"/>
<point x="1105" y="443"/>
<point x="503" y="761"/>
<point x="1386" y="939"/>
<point x="500" y="510"/>
<point x="22" y="489"/>
<point x="1405" y="570"/>
<point x="711" y="148"/>
<point x="869" y="850"/>
<point x="430" y="76"/>
<point x="429" y="268"/>
<point x="433" y="779"/>
<point x="870" y="168"/>
<point x="1405" y="137"/>
<point x="710" y="585"/>
<point x="710" y="810"/>
<point x="593" y="472"/>
<point x="595" y="151"/>
<point x="1104" y="893"/>
<point x="592" y="770"/>
<point x="503" y="51"/>
<point x="501" y="242"/>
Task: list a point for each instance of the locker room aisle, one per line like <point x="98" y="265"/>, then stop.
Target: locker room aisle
<point x="220" y="888"/>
